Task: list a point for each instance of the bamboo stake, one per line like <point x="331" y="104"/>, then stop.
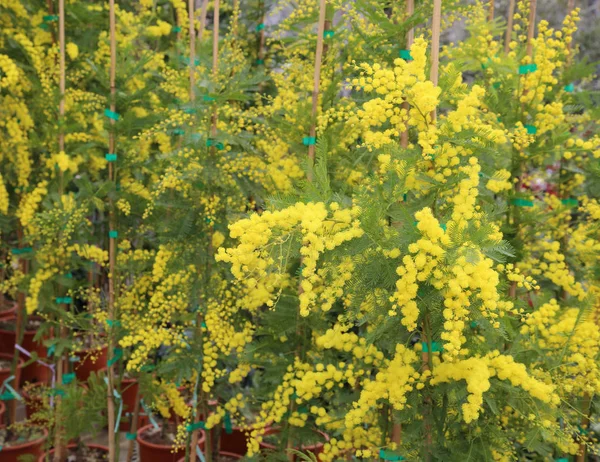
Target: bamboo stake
<point x="192" y="51"/>
<point x="262" y="37"/>
<point x="134" y="423"/>
<point x="491" y="11"/>
<point x="410" y="38"/>
<point x="112" y="240"/>
<point x="317" y="81"/>
<point x="202" y="19"/>
<point x="59" y="443"/>
<point x="509" y="26"/>
<point x="435" y="47"/>
<point x="531" y="27"/>
<point x="570" y="8"/>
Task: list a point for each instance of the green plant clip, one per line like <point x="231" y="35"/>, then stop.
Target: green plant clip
<point x="207" y="98"/>
<point x="387" y="455"/>
<point x="56" y="392"/>
<point x="68" y="378"/>
<point x="435" y="347"/>
<point x="17" y="251"/>
<point x="309" y="140"/>
<point x="531" y="129"/>
<point x="64" y="300"/>
<point x="562" y="459"/>
<point x="570" y="202"/>
<point x="130" y="436"/>
<point x="111" y="114"/>
<point x="570" y="88"/>
<point x="118" y="354"/>
<point x="113" y="234"/>
<point x="110" y="157"/>
<point x="217" y="144"/>
<point x="178" y="131"/>
<point x="176" y="29"/>
<point x="522" y="202"/>
<point x="6" y="396"/>
<point x="51" y="350"/>
<point x="69" y="275"/>
<point x="474" y="324"/>
<point x="496" y="85"/>
<point x="260" y="62"/>
<point x="203" y="325"/>
<point x="50" y="18"/>
<point x="527" y="68"/>
<point x="113" y="323"/>
<point x="195" y="426"/>
<point x="405" y="55"/>
<point x="260" y="27"/>
<point x="189" y="110"/>
<point x="328" y="33"/>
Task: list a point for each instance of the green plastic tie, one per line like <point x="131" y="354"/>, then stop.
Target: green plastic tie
<point x="388" y="455"/>
<point x="113" y="234"/>
<point x="51" y="350"/>
<point x="118" y="354"/>
<point x="203" y="325"/>
<point x="111" y="114"/>
<point x="527" y="68"/>
<point x="227" y="422"/>
<point x="68" y="378"/>
<point x="69" y="275"/>
<point x="130" y="436"/>
<point x="562" y="459"/>
<point x="57" y="392"/>
<point x="208" y="98"/>
<point x="23" y="250"/>
<point x="570" y="88"/>
<point x="178" y="131"/>
<point x="309" y="140"/>
<point x="405" y="54"/>
<point x="176" y="29"/>
<point x="110" y="157"/>
<point x="50" y="18"/>
<point x="531" y="129"/>
<point x="64" y="300"/>
<point x="435" y="347"/>
<point x="195" y="426"/>
<point x="113" y="323"/>
<point x="217" y="144"/>
<point x="328" y="33"/>
<point x="260" y="27"/>
<point x="474" y="324"/>
<point x="189" y="110"/>
<point x="522" y="202"/>
<point x="260" y="62"/>
<point x="570" y="202"/>
<point x="496" y="85"/>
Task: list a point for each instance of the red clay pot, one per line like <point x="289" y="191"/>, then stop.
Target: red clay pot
<point x="316" y="449"/>
<point x="72" y="446"/>
<point x="90" y="360"/>
<point x="5" y="373"/>
<point x="235" y="442"/>
<point x="8" y="308"/>
<point x="33" y="448"/>
<point x="35" y="372"/>
<point x="150" y="452"/>
<point x="221" y="453"/>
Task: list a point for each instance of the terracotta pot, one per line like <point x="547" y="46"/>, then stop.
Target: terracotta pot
<point x="316" y="449"/>
<point x="221" y="453"/>
<point x="8" y="308"/>
<point x="150" y="452"/>
<point x="35" y="372"/>
<point x="72" y="446"/>
<point x="90" y="360"/>
<point x="33" y="448"/>
<point x="235" y="442"/>
<point x="129" y="388"/>
<point x="2" y="410"/>
<point x="5" y="373"/>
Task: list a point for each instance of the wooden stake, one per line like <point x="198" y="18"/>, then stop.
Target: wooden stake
<point x="192" y="51"/>
<point x="316" y="81"/>
<point x="531" y="27"/>
<point x="134" y="423"/>
<point x="435" y="46"/>
<point x="509" y="26"/>
<point x="491" y="11"/>
<point x="202" y="19"/>
<point x="112" y="240"/>
<point x="410" y="38"/>
<point x="570" y="8"/>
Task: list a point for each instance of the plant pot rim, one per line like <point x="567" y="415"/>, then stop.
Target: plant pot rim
<point x="27" y="443"/>
<point x="10" y="356"/>
<point x="70" y="446"/>
<point x="13" y="317"/>
<point x="140" y="440"/>
<point x="221" y="453"/>
<point x="272" y="430"/>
